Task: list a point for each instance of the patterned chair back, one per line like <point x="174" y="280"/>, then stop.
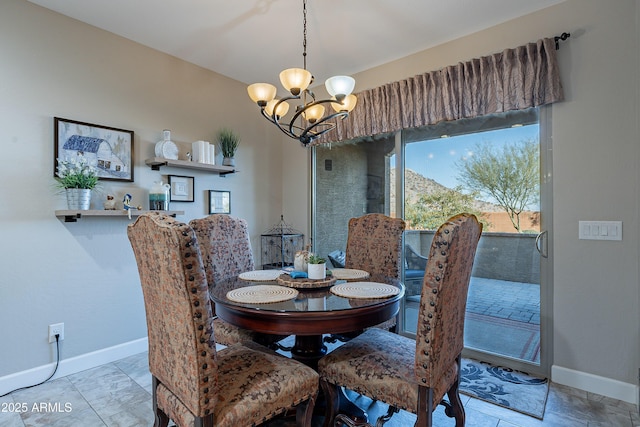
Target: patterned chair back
<point x="439" y="338"/>
<point x="374" y="244"/>
<point x="182" y="355"/>
<point x="225" y="244"/>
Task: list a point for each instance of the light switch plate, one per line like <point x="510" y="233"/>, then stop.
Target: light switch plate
<point x="600" y="230"/>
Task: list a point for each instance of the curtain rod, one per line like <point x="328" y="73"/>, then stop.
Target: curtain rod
<point x="562" y="37"/>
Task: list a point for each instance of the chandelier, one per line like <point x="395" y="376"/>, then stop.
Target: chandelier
<point x="308" y="121"/>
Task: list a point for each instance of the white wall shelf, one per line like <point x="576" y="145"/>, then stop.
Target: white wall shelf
<point x="75" y="215"/>
<point x="156" y="162"/>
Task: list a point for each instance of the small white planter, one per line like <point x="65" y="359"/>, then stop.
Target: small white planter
<point x="317" y="271"/>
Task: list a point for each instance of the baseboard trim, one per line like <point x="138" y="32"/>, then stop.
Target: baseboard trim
<point x="595" y="384"/>
<point x="72" y="365"/>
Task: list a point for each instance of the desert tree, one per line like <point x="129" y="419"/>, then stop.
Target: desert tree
<point x="431" y="210"/>
<point x="510" y="175"/>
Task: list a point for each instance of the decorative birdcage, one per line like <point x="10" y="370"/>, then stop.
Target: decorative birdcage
<point x="279" y="245"/>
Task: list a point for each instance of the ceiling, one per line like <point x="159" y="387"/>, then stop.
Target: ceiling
<point x="253" y="40"/>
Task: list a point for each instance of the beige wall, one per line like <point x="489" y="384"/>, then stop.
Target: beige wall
<point x="595" y="176"/>
<point x="84" y="274"/>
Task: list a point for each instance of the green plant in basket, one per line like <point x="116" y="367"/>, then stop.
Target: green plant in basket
<point x="76" y="172"/>
<point x="315" y="259"/>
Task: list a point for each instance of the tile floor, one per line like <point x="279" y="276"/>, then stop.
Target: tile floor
<point x="119" y="394"/>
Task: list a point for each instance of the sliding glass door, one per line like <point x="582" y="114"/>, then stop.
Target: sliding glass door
<point x="490" y="166"/>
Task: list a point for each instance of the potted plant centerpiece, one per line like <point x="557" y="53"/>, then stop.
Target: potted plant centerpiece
<point x="77" y="176"/>
<point x="228" y="142"/>
<point x="317" y="267"/>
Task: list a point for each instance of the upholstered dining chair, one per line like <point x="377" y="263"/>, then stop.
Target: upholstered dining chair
<point x="226" y="252"/>
<point x="414" y="374"/>
<point x="192" y="383"/>
<point x="374" y="244"/>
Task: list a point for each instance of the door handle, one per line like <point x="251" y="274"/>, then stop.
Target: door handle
<point x="539" y="239"/>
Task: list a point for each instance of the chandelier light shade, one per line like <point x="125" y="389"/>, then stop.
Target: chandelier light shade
<point x="308" y="120"/>
<point x="313" y="113"/>
<point x="340" y="86"/>
<point x="295" y="80"/>
<point x="348" y="104"/>
<point x="262" y="93"/>
<point x="281" y="111"/>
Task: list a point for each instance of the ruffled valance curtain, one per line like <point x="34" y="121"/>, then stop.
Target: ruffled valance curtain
<point x="514" y="79"/>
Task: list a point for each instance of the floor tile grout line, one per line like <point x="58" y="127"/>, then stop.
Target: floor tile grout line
<point x="104" y="422"/>
<point x="87" y="400"/>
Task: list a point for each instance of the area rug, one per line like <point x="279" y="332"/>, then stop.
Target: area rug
<point x="505" y="387"/>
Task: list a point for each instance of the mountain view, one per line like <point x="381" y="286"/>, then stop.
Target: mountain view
<point x="416" y="184"/>
<point x="497" y="220"/>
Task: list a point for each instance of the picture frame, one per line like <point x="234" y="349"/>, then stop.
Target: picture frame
<point x="219" y="202"/>
<point x="181" y="188"/>
<point x="109" y="149"/>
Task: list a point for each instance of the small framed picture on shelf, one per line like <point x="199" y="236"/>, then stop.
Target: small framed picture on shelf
<point x="181" y="188"/>
<point x="219" y="202"/>
<point x="109" y="149"/>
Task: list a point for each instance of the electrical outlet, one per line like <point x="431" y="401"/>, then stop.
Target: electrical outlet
<point x="56" y="329"/>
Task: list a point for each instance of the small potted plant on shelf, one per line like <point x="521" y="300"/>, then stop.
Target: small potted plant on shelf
<point x="317" y="267"/>
<point x="77" y="177"/>
<point x="228" y="142"/>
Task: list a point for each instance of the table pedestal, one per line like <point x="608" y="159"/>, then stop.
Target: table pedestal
<point x="308" y="349"/>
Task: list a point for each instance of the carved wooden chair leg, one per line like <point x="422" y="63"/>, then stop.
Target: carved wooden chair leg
<point x="456" y="409"/>
<point x="304" y="412"/>
<point x="425" y="407"/>
<point x="332" y="400"/>
<point x="382" y="419"/>
<point x="203" y="422"/>
<point x="343" y="420"/>
<point x="161" y="419"/>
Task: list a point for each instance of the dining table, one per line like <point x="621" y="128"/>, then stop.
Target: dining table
<point x="310" y="312"/>
<point x="271" y="302"/>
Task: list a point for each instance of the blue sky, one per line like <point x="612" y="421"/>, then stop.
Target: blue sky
<point x="435" y="158"/>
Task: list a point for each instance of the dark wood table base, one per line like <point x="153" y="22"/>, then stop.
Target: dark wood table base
<point x="308" y="349"/>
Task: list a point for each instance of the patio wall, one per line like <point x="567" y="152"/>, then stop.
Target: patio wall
<point x="502" y="256"/>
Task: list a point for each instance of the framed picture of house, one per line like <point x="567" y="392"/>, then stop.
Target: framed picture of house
<point x="219" y="202"/>
<point x="181" y="188"/>
<point x="108" y="148"/>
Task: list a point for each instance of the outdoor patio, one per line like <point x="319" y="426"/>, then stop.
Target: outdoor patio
<point x="502" y="317"/>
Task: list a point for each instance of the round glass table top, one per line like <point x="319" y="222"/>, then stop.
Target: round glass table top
<point x="306" y="300"/>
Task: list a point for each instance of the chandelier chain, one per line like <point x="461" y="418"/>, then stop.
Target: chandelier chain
<point x="304" y="34"/>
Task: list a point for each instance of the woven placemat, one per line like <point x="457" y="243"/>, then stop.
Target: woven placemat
<point x="349" y="274"/>
<point x="365" y="290"/>
<point x="305" y="283"/>
<point x="261" y="294"/>
<point x="260" y="275"/>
